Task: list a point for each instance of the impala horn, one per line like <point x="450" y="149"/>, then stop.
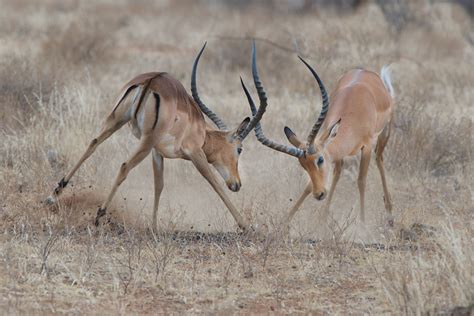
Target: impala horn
<point x="324" y="110"/>
<point x="263" y="104"/>
<point x="214" y="118"/>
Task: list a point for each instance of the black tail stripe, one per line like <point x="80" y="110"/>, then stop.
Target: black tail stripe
<point x="157" y="98"/>
<point x="123" y="97"/>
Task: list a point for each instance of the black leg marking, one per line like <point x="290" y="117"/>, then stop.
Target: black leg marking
<point x="144" y="93"/>
<point x="61" y="185"/>
<point x="157" y="97"/>
<point x="142" y="96"/>
<point x="100" y="213"/>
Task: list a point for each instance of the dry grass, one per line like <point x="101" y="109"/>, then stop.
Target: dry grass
<point x="61" y="65"/>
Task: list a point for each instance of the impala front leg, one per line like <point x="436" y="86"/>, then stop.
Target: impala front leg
<point x="200" y="162"/>
<point x="381" y="143"/>
<point x="336" y="175"/>
<point x="295" y="208"/>
<point x="363" y="169"/>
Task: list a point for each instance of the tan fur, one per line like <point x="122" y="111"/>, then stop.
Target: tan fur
<point x="177" y="130"/>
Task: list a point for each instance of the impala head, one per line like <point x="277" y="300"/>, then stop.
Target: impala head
<point x="315" y="161"/>
<point x="312" y="154"/>
<point x="223" y="147"/>
<point x="223" y="150"/>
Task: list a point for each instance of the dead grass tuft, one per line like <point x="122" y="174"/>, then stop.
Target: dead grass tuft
<point x="433" y="280"/>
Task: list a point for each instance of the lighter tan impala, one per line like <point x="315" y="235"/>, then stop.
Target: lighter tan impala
<point x="358" y="119"/>
<point x="171" y="124"/>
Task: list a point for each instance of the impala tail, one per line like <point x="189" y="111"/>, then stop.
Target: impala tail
<point x="385" y="73"/>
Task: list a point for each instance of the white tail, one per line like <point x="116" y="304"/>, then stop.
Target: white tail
<point x="387" y="81"/>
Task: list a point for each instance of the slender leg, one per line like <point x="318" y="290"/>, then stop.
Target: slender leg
<point x="142" y="151"/>
<point x="158" y="171"/>
<point x="363" y="169"/>
<point x="295" y="208"/>
<point x="200" y="162"/>
<point x="381" y="143"/>
<point x="337" y="174"/>
<point x="110" y="126"/>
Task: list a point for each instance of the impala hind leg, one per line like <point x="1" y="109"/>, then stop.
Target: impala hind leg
<point x="381" y="143"/>
<point x="158" y="172"/>
<point x="141" y="152"/>
<point x="110" y="126"/>
<point x="200" y="162"/>
<point x="361" y="181"/>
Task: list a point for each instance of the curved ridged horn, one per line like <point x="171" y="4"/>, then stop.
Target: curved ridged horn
<point x="263" y="103"/>
<point x="214" y="118"/>
<point x="324" y="109"/>
<point x="257" y="115"/>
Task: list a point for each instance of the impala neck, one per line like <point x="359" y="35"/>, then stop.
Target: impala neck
<point x="211" y="144"/>
<point x="338" y="148"/>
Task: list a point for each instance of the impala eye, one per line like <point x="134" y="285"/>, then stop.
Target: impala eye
<point x="239" y="150"/>
<point x="320" y="160"/>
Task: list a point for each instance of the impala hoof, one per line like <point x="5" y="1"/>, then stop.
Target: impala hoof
<point x="253" y="228"/>
<point x="244" y="229"/>
<point x="50" y="200"/>
<point x="100" y="213"/>
<point x="390" y="220"/>
<point x="61" y="185"/>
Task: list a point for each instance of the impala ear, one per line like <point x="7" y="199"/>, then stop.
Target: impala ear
<point x="334" y="128"/>
<point x="241" y="127"/>
<point x="292" y="138"/>
<point x="331" y="133"/>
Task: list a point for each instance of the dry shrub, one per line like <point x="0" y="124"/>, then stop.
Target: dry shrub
<point x="298" y="6"/>
<point x="87" y="40"/>
<point x="79" y="43"/>
<point x="57" y="122"/>
<point x="435" y="278"/>
<point x="20" y="80"/>
<point x="398" y="13"/>
<point x="429" y="143"/>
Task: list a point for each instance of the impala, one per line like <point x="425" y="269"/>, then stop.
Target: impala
<point x="357" y="119"/>
<point x="170" y="124"/>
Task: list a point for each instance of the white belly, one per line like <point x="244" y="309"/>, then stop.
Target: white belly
<point x="167" y="146"/>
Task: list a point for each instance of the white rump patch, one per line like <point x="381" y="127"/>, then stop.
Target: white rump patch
<point x="387" y="81"/>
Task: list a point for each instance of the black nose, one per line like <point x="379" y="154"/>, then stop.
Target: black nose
<point x="235" y="187"/>
<point x="321" y="196"/>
